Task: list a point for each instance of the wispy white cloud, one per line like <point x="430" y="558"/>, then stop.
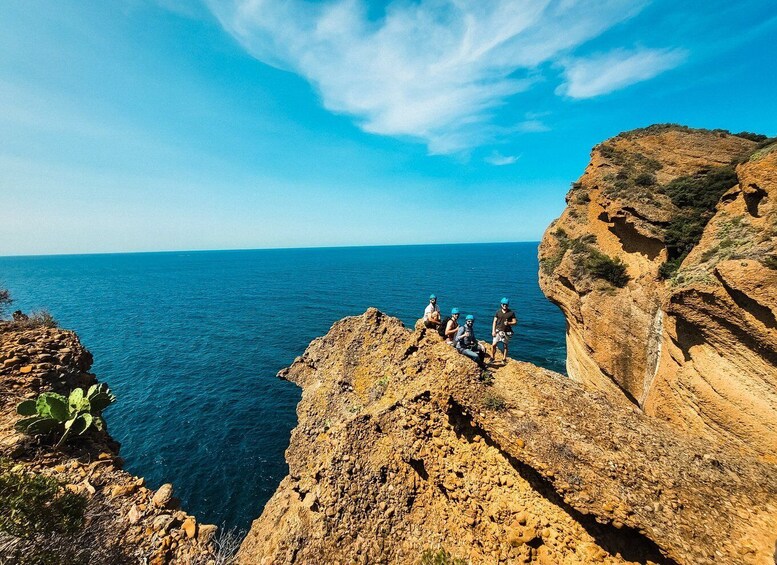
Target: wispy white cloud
<point x="606" y="72"/>
<point x="530" y="126"/>
<point x="431" y="70"/>
<point x="499" y="160"/>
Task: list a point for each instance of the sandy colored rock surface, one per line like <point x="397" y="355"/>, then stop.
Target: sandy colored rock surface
<point x="401" y="448"/>
<point x="698" y="350"/>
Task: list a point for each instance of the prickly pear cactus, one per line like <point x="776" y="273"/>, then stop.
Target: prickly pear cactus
<point x="72" y="415"/>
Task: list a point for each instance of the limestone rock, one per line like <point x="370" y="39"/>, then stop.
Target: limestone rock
<point x="206" y="533"/>
<point x="698" y="350"/>
<point x="134" y="514"/>
<point x="11" y="362"/>
<point x="189" y="527"/>
<point x="163" y="496"/>
<point x="162" y="523"/>
<point x="426" y="465"/>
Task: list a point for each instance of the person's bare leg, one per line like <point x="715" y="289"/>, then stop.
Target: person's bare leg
<point x="505" y="352"/>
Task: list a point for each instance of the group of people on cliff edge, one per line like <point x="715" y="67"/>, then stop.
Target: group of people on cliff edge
<point x="462" y="337"/>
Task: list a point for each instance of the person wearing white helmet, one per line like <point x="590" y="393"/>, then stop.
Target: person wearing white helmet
<point x="432" y="313"/>
<point x="502" y="328"/>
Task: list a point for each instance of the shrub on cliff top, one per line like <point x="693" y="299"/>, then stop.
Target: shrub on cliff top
<point x="38" y="319"/>
<point x="32" y="503"/>
<point x="440" y="557"/>
<point x="43" y="318"/>
<point x="751" y="136"/>
<point x="635" y="177"/>
<point x="766" y="147"/>
<point x="5" y="301"/>
<point x="494" y="402"/>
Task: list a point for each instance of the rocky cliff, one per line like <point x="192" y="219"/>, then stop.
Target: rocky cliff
<point x="664" y="265"/>
<point x="404" y="451"/>
<point x="121" y="520"/>
<point x="659" y="449"/>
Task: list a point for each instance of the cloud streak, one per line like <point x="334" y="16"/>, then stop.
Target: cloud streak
<point x="499" y="160"/>
<point x="436" y="71"/>
<point x="604" y="73"/>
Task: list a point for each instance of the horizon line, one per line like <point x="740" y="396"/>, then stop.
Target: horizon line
<point x="239" y="249"/>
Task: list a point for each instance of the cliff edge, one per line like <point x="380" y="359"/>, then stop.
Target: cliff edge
<point x="664" y="265"/>
<point x="402" y="449"/>
<point x="75" y="504"/>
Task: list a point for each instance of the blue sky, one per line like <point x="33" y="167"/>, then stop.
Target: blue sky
<point x="138" y="125"/>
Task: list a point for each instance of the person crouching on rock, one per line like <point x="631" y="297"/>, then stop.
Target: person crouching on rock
<point x="449" y="326"/>
<point x="432" y="313"/>
<point x="467" y="344"/>
<point x="502" y="328"/>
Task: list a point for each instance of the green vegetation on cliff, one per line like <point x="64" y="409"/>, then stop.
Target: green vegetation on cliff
<point x="52" y="412"/>
<point x="440" y="557"/>
<point x="589" y="261"/>
<point x="696" y="197"/>
<point x="32" y="503"/>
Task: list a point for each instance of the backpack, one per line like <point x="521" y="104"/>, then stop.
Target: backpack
<point x="442" y="326"/>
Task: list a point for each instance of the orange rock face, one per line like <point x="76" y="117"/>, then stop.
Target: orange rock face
<point x="697" y="348"/>
<point x="402" y="452"/>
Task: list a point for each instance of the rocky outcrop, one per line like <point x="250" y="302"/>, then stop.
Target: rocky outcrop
<point x="402" y="448"/>
<point x="691" y="336"/>
<point x="123" y="520"/>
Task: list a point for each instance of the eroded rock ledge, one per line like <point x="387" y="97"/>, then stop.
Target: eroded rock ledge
<point x="400" y="447"/>
<point x="124" y="521"/>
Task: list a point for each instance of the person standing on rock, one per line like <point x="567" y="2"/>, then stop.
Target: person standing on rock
<point x="467" y="344"/>
<point x="432" y="313"/>
<point x="502" y="328"/>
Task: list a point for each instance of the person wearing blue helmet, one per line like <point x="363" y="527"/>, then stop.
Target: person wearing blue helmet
<point x="502" y="328"/>
<point x="432" y="313"/>
<point x="449" y="326"/>
<point x="467" y="344"/>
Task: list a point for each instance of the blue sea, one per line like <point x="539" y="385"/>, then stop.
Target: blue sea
<point x="190" y="343"/>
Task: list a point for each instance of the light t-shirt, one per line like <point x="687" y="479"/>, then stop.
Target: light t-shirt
<point x="429" y="309"/>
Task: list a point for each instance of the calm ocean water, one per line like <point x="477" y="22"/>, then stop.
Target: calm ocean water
<point x="190" y="343"/>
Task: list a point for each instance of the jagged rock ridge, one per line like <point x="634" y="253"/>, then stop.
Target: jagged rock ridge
<point x="400" y="447"/>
